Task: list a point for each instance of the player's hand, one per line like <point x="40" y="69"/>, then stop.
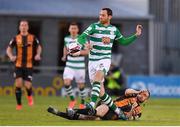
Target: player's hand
<point x="88" y="46"/>
<point x="139" y="30"/>
<point x="76" y="53"/>
<point x="106" y="40"/>
<point x="37" y="57"/>
<point x="12" y="58"/>
<point x="63" y="58"/>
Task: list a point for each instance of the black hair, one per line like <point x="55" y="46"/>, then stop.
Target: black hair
<point x="73" y="24"/>
<point x="109" y="11"/>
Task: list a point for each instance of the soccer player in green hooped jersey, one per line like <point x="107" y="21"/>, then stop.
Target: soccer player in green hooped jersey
<point x="75" y="67"/>
<point x="102" y="35"/>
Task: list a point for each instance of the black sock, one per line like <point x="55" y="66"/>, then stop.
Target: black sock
<point x="65" y="115"/>
<point x="29" y="91"/>
<point x="84" y="111"/>
<point x="18" y="93"/>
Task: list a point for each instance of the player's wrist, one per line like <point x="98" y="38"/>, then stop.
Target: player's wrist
<point x="136" y="34"/>
<point x="80" y="53"/>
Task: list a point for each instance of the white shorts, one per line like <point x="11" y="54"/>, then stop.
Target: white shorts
<point x="77" y="74"/>
<point x="100" y="65"/>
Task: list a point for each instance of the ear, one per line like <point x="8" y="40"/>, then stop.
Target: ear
<point x="69" y="29"/>
<point x="110" y="17"/>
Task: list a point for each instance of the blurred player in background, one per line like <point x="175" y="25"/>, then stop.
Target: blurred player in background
<point x="102" y="35"/>
<point x="75" y="67"/>
<point x="24" y="43"/>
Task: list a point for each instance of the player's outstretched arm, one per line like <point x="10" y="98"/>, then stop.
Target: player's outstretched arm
<point x="130" y="92"/>
<point x="128" y="40"/>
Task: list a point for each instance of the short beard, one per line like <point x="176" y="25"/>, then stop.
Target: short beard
<point x="104" y="22"/>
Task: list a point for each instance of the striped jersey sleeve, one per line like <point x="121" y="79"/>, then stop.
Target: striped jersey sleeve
<point x="118" y="34"/>
<point x="89" y="30"/>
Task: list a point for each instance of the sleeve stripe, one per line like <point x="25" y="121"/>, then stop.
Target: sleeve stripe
<point x="10" y="43"/>
<point x="86" y="33"/>
<point x="37" y="41"/>
<point x="119" y="37"/>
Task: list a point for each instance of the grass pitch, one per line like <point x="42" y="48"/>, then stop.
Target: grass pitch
<point x="156" y="112"/>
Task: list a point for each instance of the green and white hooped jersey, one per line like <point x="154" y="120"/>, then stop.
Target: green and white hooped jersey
<point x="100" y="50"/>
<point x="74" y="62"/>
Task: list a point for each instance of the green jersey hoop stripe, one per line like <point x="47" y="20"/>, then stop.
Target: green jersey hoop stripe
<point x="75" y="67"/>
<point x="92" y="59"/>
<point x="99" y="54"/>
<point x="101" y="51"/>
<point x="74" y="61"/>
<point x="101" y="47"/>
<point x="95" y="39"/>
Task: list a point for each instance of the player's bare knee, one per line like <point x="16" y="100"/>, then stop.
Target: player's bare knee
<point x="102" y="110"/>
<point x="28" y="84"/>
<point x="19" y="82"/>
<point x="81" y="85"/>
<point x="67" y="82"/>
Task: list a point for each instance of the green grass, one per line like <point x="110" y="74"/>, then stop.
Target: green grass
<point x="156" y="112"/>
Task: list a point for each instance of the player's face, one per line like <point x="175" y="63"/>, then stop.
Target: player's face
<point x="23" y="27"/>
<point x="73" y="30"/>
<point x="143" y="96"/>
<point x="104" y="17"/>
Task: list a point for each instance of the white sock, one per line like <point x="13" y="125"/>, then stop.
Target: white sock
<point x="92" y="104"/>
<point x="117" y="111"/>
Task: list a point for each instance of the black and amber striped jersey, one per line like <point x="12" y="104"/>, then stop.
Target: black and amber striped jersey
<point x="25" y="49"/>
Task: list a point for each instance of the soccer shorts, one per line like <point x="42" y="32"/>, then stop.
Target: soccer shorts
<point x="24" y="73"/>
<point x="100" y="65"/>
<point x="77" y="74"/>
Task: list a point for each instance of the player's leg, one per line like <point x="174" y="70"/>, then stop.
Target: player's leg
<point x="71" y="115"/>
<point x="68" y="76"/>
<point x="18" y="92"/>
<point x="58" y="113"/>
<point x="80" y="80"/>
<point x="82" y="93"/>
<point x="28" y="84"/>
<point x="101" y="110"/>
<point x="92" y="69"/>
<point x="96" y="86"/>
<point x="108" y="100"/>
<point x="18" y="84"/>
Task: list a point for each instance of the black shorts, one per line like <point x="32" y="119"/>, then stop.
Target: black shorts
<point x="110" y="115"/>
<point x="24" y="73"/>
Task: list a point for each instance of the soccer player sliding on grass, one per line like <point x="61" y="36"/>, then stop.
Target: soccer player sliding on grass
<point x="130" y="101"/>
<point x="102" y="35"/>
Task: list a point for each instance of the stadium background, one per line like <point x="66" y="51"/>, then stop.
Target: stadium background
<point x="152" y="62"/>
